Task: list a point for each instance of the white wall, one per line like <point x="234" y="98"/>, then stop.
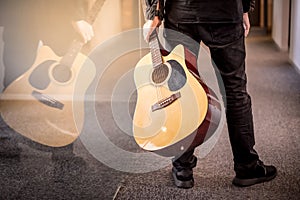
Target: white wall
<point x="295" y="36"/>
<point x="280" y="30"/>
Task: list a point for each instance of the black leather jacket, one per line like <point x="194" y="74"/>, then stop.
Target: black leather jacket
<point x="205" y="11"/>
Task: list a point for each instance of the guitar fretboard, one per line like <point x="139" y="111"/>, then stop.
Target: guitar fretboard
<point x="74" y="49"/>
<point x="155" y="50"/>
<point x="92" y="15"/>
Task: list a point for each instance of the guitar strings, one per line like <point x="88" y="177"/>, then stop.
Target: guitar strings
<point x="156" y="58"/>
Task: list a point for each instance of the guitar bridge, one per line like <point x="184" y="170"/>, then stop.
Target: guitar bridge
<point x="49" y="101"/>
<point x="165" y="102"/>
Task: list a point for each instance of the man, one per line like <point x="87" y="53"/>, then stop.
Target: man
<point x="222" y="26"/>
<point x="56" y="23"/>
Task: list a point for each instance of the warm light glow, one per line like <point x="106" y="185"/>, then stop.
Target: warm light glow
<point x="164" y="129"/>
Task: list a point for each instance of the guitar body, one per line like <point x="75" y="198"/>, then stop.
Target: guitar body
<point x="184" y="105"/>
<point x="40" y="103"/>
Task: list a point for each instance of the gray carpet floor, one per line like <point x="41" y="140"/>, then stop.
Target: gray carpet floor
<point x="274" y="86"/>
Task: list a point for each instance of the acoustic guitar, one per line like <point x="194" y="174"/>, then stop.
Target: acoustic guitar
<point x="40" y="103"/>
<point x="175" y="110"/>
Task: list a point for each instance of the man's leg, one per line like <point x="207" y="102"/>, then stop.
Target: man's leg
<point x="183" y="165"/>
<point x="228" y="54"/>
<point x="182" y="170"/>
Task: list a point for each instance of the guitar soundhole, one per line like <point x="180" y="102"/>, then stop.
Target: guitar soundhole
<point x="160" y="74"/>
<point x="61" y="73"/>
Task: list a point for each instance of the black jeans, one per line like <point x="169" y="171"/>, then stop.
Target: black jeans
<point x="227" y="49"/>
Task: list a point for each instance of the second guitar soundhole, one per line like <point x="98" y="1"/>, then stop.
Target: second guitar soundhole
<point x="61" y="73"/>
<point x="160" y="74"/>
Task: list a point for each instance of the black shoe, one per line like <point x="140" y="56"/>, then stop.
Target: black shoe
<point x="183" y="178"/>
<point x="182" y="172"/>
<point x="253" y="174"/>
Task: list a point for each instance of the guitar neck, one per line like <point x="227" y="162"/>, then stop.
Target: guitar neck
<point x="92" y="15"/>
<point x="155" y="50"/>
<point x="74" y="49"/>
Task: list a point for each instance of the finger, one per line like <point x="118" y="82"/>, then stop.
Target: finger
<point x="88" y="37"/>
<point x="247" y="30"/>
<point x="85" y="40"/>
<point x="92" y="33"/>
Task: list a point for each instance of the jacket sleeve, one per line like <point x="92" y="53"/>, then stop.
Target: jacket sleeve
<point x="78" y="9"/>
<point x="151" y="6"/>
<point x="248" y="5"/>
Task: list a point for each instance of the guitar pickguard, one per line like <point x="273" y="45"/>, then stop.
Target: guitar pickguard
<point x="39" y="78"/>
<point x="178" y="76"/>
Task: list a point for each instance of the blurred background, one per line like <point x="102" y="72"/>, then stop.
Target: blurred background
<point x="273" y="68"/>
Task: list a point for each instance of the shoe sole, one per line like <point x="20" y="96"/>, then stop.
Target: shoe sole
<point x="248" y="182"/>
<point x="183" y="184"/>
